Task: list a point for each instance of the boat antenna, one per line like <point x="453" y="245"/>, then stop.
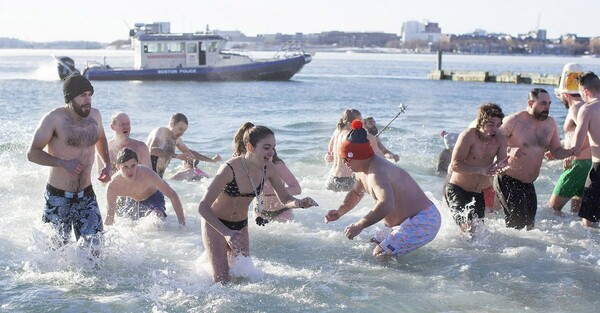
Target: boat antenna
<point x="126" y="24"/>
<point x="402" y="107"/>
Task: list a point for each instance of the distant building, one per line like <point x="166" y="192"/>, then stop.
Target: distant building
<point x="417" y="31"/>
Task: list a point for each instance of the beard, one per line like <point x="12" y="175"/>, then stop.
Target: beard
<point x="541" y="116"/>
<point x="78" y="108"/>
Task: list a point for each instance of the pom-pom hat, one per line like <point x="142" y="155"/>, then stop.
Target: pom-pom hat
<point x="357" y="145"/>
<point x="74" y="85"/>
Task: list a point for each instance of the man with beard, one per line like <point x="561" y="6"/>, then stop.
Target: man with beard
<point x="71" y="136"/>
<point x="121" y="127"/>
<point x="530" y="133"/>
<point x="473" y="165"/>
<point x="589" y="88"/>
<point x="144" y="189"/>
<point x="163" y="140"/>
<point x="571" y="182"/>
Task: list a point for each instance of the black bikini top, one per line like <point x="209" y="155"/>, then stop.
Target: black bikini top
<point x="232" y="190"/>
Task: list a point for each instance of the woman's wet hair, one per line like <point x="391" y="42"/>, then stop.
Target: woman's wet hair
<point x="125" y="155"/>
<point x="239" y="148"/>
<point x="487" y="111"/>
<point x="348" y="116"/>
<point x="276" y="157"/>
<point x="255" y="134"/>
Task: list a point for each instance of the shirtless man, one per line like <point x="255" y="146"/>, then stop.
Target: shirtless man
<point x="67" y="139"/>
<point x="530" y="133"/>
<point x="411" y="219"/>
<point x="589" y="88"/>
<point x="571" y="182"/>
<point x="121" y="126"/>
<point x="163" y="140"/>
<point x="473" y="163"/>
<point x="143" y="188"/>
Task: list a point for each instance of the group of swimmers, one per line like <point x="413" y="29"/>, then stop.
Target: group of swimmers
<point x="509" y="150"/>
<point x="494" y="162"/>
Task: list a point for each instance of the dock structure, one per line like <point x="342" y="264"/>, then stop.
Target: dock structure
<point x="486" y="76"/>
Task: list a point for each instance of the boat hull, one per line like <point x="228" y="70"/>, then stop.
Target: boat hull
<point x="280" y="69"/>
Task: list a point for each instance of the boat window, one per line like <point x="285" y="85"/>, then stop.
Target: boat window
<point x="154" y="48"/>
<point x="213" y="46"/>
<point x="175" y="47"/>
<point x="192" y="48"/>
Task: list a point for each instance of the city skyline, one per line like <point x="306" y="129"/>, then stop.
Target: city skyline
<point x="110" y="20"/>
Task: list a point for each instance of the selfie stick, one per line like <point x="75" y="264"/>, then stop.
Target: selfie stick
<point x="402" y="108"/>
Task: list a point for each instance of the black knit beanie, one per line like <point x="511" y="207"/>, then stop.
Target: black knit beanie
<point x="74" y="85"/>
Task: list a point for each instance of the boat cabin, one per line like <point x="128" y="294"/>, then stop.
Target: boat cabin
<point x="156" y="48"/>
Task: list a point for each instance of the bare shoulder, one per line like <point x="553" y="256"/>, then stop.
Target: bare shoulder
<point x="136" y="144"/>
<point x="470" y="133"/>
<point x="550" y="123"/>
<point x="57" y="114"/>
<point x="116" y="182"/>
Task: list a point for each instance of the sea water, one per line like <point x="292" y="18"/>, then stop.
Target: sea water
<point x="304" y="265"/>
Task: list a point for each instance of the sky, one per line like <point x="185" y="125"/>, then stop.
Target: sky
<point x="109" y="20"/>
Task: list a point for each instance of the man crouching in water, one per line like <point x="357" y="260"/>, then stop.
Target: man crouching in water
<point x="143" y="188"/>
<point x="411" y="219"/>
<point x="66" y="140"/>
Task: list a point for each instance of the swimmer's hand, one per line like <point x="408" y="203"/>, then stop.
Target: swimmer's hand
<point x="498" y="167"/>
<point x="235" y="241"/>
<point x="332" y="215"/>
<point x="217" y="158"/>
<point x="568" y="162"/>
<point x="518" y="153"/>
<point x="73" y="167"/>
<point x="548" y="156"/>
<point x="305" y="203"/>
<point x="105" y="175"/>
<point x="392" y="156"/>
<point x="352" y="230"/>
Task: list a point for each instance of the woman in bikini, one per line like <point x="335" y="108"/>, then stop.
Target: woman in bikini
<point x="224" y="206"/>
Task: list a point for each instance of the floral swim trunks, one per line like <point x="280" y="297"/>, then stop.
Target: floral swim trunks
<point x="413" y="233"/>
<point x="73" y="210"/>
